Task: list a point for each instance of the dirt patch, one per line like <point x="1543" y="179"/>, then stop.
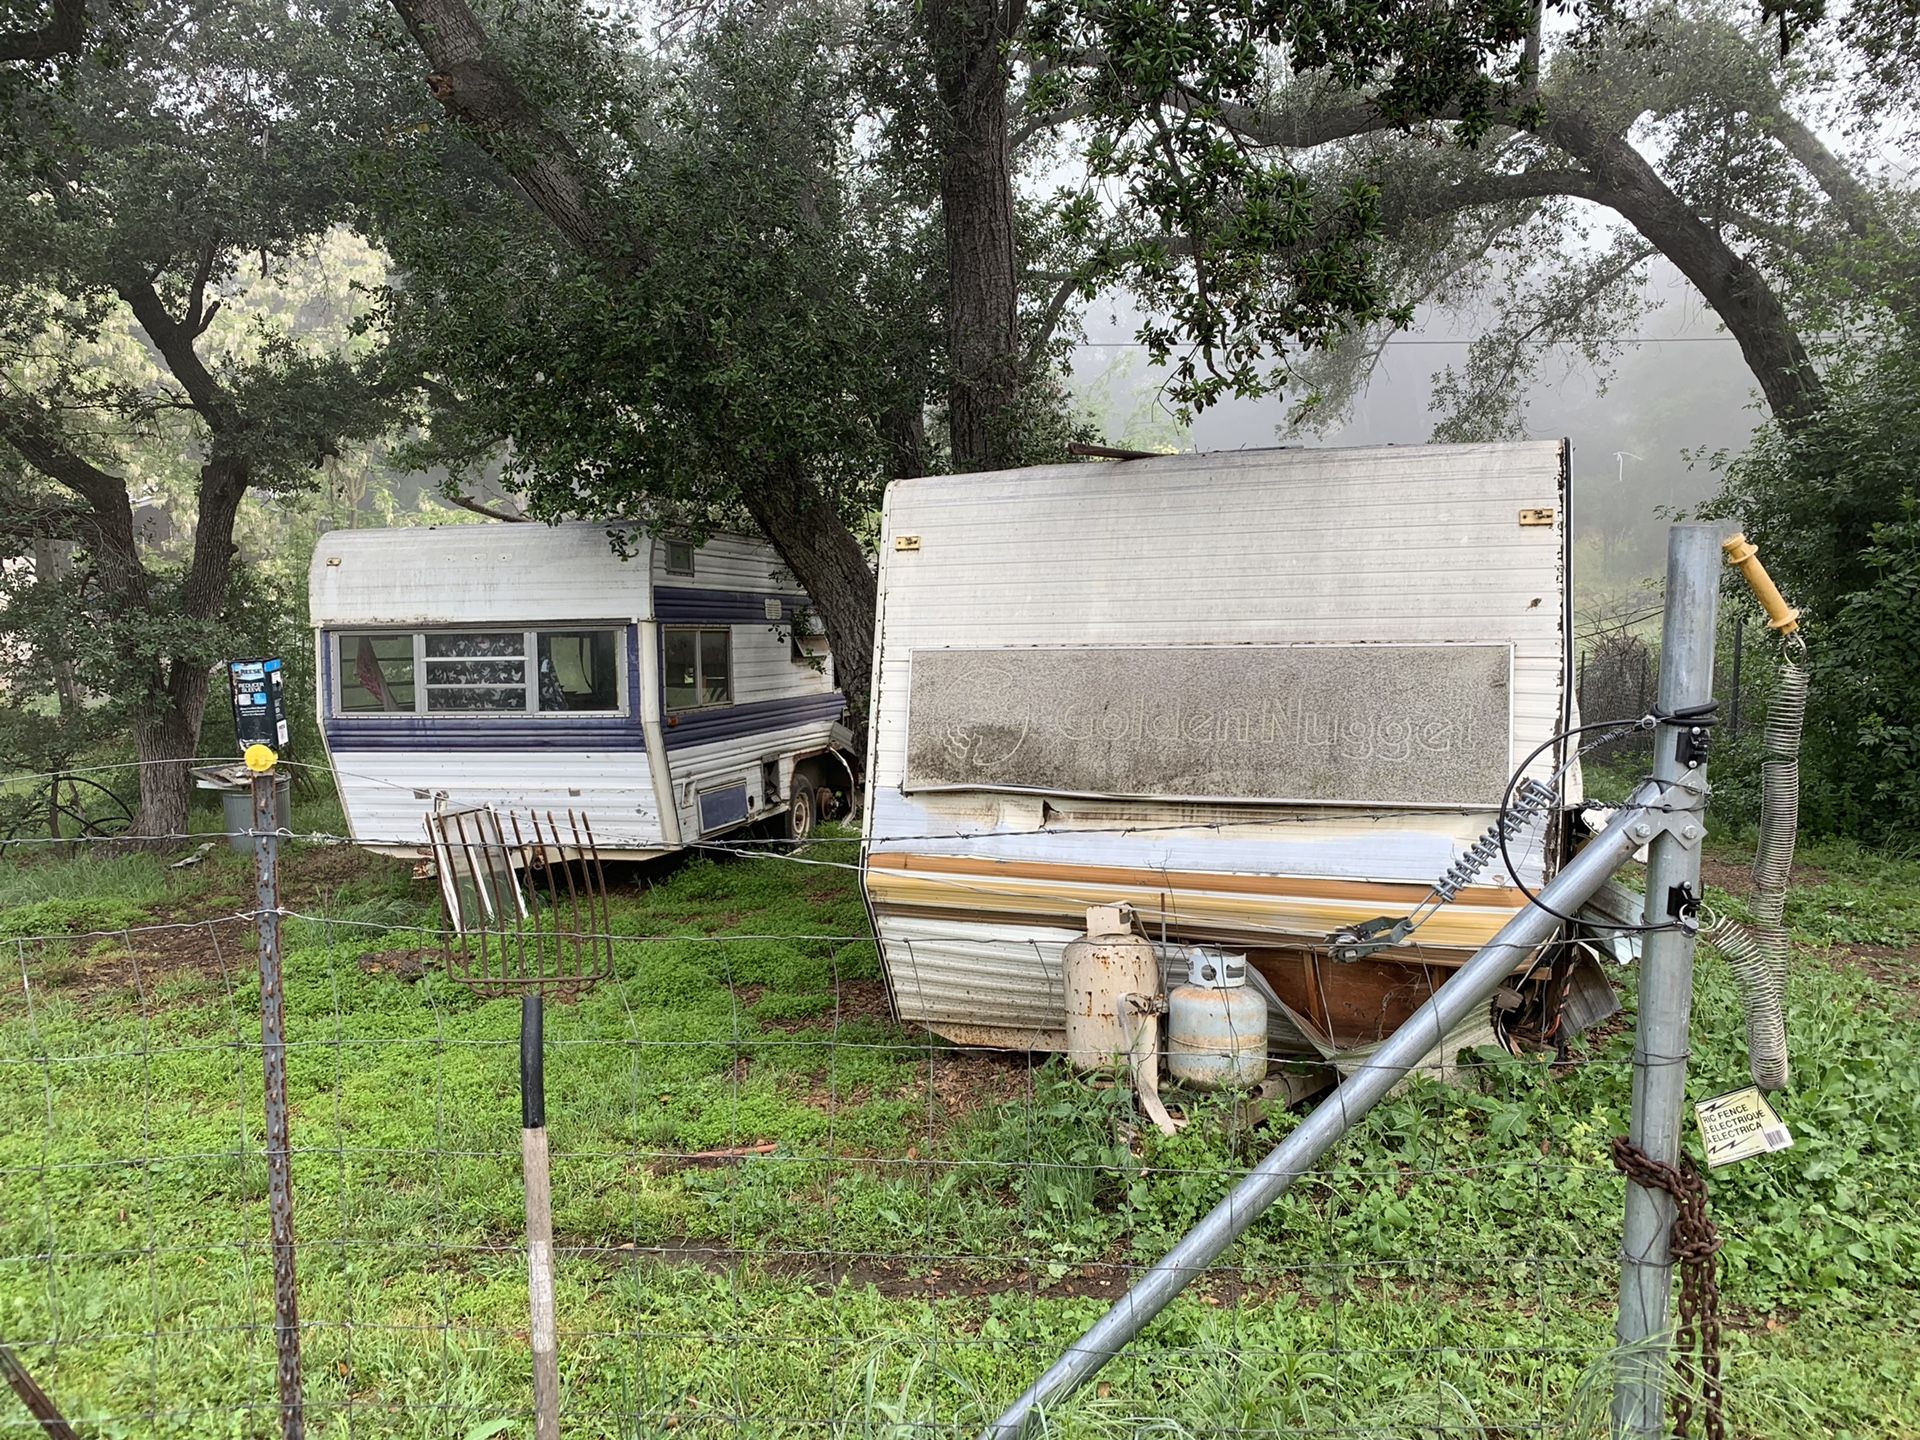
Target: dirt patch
<point x="944" y="1277"/>
<point x="895" y="1277"/>
<point x="409" y="965"/>
<point x="1735" y="877"/>
<point x="1888" y="966"/>
<point x="132" y="963"/>
<point x="853" y="1000"/>
<point x="963" y="1082"/>
<point x="309" y="873"/>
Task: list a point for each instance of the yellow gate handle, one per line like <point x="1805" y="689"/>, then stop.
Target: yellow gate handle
<point x="1744" y="557"/>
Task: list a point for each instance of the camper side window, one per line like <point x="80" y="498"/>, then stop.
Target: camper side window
<point x="697" y="668"/>
<point x="579" y="670"/>
<point x="476" y="670"/>
<point x="479" y="672"/>
<point x="376" y="673"/>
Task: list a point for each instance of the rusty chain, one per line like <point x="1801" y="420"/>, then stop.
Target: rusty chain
<point x="1694" y="1246"/>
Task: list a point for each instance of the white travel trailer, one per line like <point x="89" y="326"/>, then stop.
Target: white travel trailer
<point x="1260" y="696"/>
<point x="668" y="697"/>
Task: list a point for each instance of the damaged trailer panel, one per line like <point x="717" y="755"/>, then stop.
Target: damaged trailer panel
<point x="1259" y="696"/>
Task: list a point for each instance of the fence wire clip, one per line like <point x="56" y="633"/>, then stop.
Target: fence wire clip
<point x="1683" y="905"/>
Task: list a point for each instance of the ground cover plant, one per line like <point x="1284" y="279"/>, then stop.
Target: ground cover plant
<point x="781" y="1213"/>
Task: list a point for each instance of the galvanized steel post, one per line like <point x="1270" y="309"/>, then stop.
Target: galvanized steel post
<point x="273" y="1052"/>
<point x="1666" y="986"/>
<point x="1469" y="988"/>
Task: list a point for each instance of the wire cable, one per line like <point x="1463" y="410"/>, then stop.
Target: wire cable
<point x="1697" y="714"/>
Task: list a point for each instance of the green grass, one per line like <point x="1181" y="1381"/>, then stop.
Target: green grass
<point x="923" y="1237"/>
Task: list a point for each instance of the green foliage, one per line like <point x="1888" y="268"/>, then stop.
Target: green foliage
<point x="891" y="1263"/>
<point x="1833" y="506"/>
<point x="1240" y="253"/>
<point x="162" y="213"/>
<point x="774" y="312"/>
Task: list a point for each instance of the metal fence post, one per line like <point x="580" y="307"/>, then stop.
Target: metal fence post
<point x="1464" y="993"/>
<point x="1666" y="993"/>
<point x="273" y="1053"/>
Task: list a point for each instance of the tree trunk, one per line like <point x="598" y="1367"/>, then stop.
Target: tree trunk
<point x="968" y="40"/>
<point x="816" y="545"/>
<point x="164" y="743"/>
<point x="166" y="726"/>
<point x="49" y="567"/>
<point x="1730" y="283"/>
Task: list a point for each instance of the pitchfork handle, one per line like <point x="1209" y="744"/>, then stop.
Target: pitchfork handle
<point x="534" y="1172"/>
<point x="533" y="1070"/>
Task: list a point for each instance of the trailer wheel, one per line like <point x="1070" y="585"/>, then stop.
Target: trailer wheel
<point x="803" y="811"/>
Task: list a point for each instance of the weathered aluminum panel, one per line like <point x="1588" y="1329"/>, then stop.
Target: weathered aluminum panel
<point x="475" y="575"/>
<point x="989" y="984"/>
<point x="722" y="807"/>
<point x="387" y="794"/>
<point x="1381" y="725"/>
<point x="1411" y="545"/>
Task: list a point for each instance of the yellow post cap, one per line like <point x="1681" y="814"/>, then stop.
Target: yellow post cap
<point x="259" y="758"/>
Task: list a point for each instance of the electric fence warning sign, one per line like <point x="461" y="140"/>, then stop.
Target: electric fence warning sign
<point x="1738" y="1125"/>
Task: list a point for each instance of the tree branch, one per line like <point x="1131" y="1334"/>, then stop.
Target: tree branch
<point x="41" y="447"/>
<point x="477" y="91"/>
<point x="1050" y="120"/>
<point x="1050" y="317"/>
<point x="453" y="497"/>
<point x="174" y="340"/>
<point x="1857" y="207"/>
<point x="1733" y="285"/>
<point x="61" y="35"/>
<point x="199" y="313"/>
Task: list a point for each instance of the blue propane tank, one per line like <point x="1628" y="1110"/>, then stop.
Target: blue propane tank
<point x="1217" y="1025"/>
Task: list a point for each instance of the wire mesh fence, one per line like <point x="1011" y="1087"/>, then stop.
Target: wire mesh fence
<point x="776" y="1210"/>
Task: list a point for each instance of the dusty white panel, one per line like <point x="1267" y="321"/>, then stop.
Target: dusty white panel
<point x="1397" y="545"/>
<point x="1382" y="725"/>
<point x="730" y="562"/>
<point x="475" y="575"/>
<point x="387" y="793"/>
<point x="1407" y="546"/>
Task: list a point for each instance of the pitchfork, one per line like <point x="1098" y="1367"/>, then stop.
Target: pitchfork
<point x="504" y="901"/>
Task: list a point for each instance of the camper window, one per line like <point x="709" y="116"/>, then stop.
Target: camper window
<point x="376" y="673"/>
<point x="679" y="557"/>
<point x="479" y="672"/>
<point x="698" y="668"/>
<point x="578" y="670"/>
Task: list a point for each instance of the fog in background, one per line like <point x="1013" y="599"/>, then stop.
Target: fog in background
<point x="1672" y="401"/>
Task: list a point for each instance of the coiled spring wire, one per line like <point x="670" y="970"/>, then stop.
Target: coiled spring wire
<point x="1757" y="953"/>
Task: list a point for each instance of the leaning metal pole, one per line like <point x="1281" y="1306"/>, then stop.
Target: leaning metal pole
<point x="1666" y="988"/>
<point x="273" y="1052"/>
<point x="1650" y="809"/>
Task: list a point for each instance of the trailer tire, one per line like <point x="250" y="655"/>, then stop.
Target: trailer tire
<point x="803" y="810"/>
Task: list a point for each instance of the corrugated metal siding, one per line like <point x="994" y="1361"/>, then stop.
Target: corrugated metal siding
<point x="475" y="575"/>
<point x="1401" y="545"/>
<point x="388" y="794"/>
<point x="738" y="759"/>
<point x="730" y="562"/>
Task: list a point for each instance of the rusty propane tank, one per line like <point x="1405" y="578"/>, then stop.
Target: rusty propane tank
<point x="1217" y="1025"/>
<point x="1101" y="970"/>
